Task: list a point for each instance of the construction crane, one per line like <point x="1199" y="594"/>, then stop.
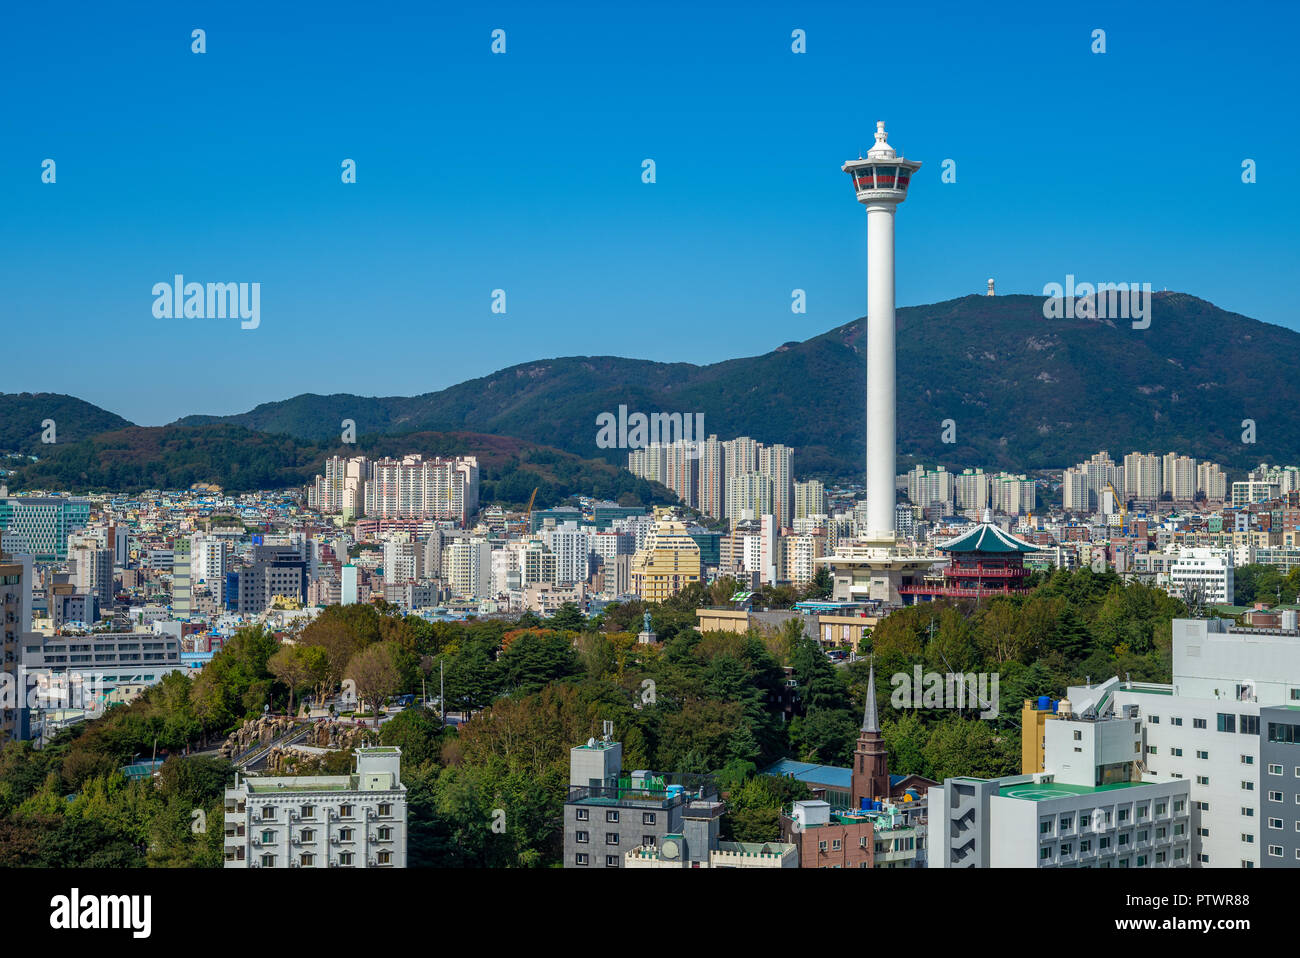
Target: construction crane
<point x="1123" y="509"/>
<point x="528" y="513"/>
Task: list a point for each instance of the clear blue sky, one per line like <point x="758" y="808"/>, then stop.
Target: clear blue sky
<point x="523" y="172"/>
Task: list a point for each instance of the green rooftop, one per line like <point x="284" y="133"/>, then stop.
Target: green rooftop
<point x="1046" y="791"/>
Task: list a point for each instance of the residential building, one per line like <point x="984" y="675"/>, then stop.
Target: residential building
<point x="320" y="821"/>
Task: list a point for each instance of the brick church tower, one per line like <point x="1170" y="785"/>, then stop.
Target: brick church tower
<point x="870" y="763"/>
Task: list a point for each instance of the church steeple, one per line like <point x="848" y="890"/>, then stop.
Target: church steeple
<point x="870" y="723"/>
<point x="870" y="781"/>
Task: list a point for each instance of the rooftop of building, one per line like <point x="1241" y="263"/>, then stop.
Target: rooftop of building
<point x="987" y="538"/>
<point x="1047" y="791"/>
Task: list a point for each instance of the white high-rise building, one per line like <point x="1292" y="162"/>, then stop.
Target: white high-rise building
<point x="571" y="547"/>
<point x="467" y="567"/>
<point x="423" y="488"/>
<point x="403" y="560"/>
<point x="1211" y="481"/>
<point x="713" y="478"/>
<point x="1142" y="475"/>
<point x="777" y="463"/>
<point x="809" y="499"/>
<point x="750" y="495"/>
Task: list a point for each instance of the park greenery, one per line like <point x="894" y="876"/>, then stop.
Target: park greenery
<point x="529" y="689"/>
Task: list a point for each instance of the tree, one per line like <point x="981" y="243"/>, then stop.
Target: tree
<point x="568" y="618"/>
<point x="296" y="665"/>
<point x="375" y="674"/>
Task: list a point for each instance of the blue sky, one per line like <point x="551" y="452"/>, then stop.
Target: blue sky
<point x="522" y="172"/>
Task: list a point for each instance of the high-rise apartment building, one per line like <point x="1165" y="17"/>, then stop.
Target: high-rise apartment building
<point x="1142" y="476"/>
<point x="809" y="499"/>
<point x="423" y="488"/>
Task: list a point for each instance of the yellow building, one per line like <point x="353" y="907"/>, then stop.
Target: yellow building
<point x="669" y="562"/>
<point x="1033" y="720"/>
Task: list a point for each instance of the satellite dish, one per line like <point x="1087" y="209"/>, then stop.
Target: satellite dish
<point x="669" y="849"/>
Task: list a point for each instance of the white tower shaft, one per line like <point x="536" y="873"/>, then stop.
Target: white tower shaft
<point x="881" y="385"/>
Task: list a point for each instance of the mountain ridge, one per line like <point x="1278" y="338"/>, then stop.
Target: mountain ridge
<point x="1023" y="392"/>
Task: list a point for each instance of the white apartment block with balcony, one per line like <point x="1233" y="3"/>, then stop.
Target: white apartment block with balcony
<point x="320" y="821"/>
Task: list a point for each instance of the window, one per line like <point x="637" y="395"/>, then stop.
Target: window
<point x="384" y="858"/>
<point x="1141" y="861"/>
<point x="1085" y="846"/>
<point x="1202" y="780"/>
<point x="385" y="809"/>
<point x="1124" y="838"/>
<point x="1123" y="814"/>
<point x="1103" y="842"/>
<point x="611" y="838"/>
<point x="1066" y="848"/>
<point x="307" y="834"/>
<point x="611" y="816"/>
<point x="1248" y="760"/>
<point x="1274" y="769"/>
<point x="1175" y="721"/>
<point x="1044" y="854"/>
<point x="345" y="811"/>
<point x="1152" y="750"/>
<point x="1198" y="723"/>
<point x="1275" y="823"/>
<point x="1274" y="796"/>
<point x="1203" y="806"/>
<point x="1143" y="811"/>
<point x="1179" y="805"/>
<point x="1284" y="733"/>
<point x="1249" y="724"/>
<point x="582" y="838"/>
<point x="268" y="861"/>
<point x="821" y="846"/>
<point x="1247" y="811"/>
<point x="268" y="838"/>
<point x="647" y="818"/>
<point x="307" y="859"/>
<point x="268" y="813"/>
<point x="648" y="841"/>
<point x="1202" y="755"/>
<point x="1248" y="786"/>
<point x="1275" y="851"/>
<point x="1044" y="828"/>
<point x="1066" y="822"/>
<point x="1078" y="736"/>
<point x="1083" y="821"/>
<point x="385" y="834"/>
<point x="308" y="811"/>
<point x="580" y="858"/>
<point x="1248" y="839"/>
<point x="582" y="814"/>
<point x="345" y="858"/>
<point x="1203" y="832"/>
<point x="611" y="861"/>
<point x="835" y="845"/>
<point x="1153" y="719"/>
<point x="1176" y="751"/>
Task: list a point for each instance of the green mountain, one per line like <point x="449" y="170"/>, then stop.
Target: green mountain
<point x="240" y="460"/>
<point x="1024" y="392"/>
<point x="22" y="416"/>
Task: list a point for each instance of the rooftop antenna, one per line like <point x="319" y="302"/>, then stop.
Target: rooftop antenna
<point x="606" y="730"/>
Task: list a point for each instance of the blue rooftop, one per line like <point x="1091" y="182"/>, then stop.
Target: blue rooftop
<point x="828" y="775"/>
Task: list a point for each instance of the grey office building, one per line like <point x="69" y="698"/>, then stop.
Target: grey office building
<point x="1279" y="780"/>
<point x="608" y="813"/>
